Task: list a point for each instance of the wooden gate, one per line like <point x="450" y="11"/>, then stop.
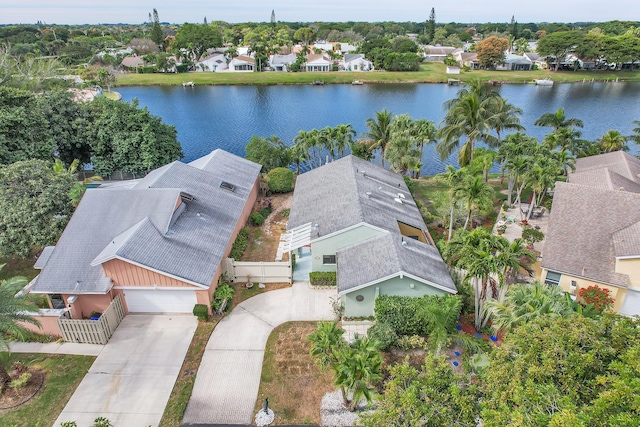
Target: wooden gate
<point x="94" y="331"/>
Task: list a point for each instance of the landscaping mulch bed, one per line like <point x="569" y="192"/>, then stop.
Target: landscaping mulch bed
<point x="11" y="398"/>
<point x="264" y="240"/>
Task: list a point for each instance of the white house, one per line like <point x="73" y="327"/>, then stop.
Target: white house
<point x="318" y="62"/>
<point x="515" y="63"/>
<point x="356" y="62"/>
<point x="242" y="64"/>
<point x="215" y="62"/>
<point x="282" y="62"/>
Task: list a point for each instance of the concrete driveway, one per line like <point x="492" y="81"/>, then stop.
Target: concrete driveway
<point x="228" y="379"/>
<point x="131" y="380"/>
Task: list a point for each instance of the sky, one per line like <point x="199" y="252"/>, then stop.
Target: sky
<point x="471" y="11"/>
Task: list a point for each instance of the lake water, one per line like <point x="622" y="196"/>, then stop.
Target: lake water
<point x="209" y="117"/>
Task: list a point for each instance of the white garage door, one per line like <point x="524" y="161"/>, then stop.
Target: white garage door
<point x="159" y="300"/>
<point x="631" y="304"/>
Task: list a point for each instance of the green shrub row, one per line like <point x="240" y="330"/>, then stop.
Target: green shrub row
<point x="201" y="311"/>
<point x="240" y="245"/>
<point x="224" y="292"/>
<point x="417" y="316"/>
<point x="147" y="69"/>
<point x="322" y="278"/>
<point x="256" y="219"/>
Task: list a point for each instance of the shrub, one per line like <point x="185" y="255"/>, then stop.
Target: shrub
<point x="102" y="422"/>
<point x="597" y="296"/>
<point x="322" y="278"/>
<point x="265" y="212"/>
<point x="69" y="424"/>
<point x="285" y="212"/>
<point x="240" y="245"/>
<point x="531" y="235"/>
<point x="256" y="219"/>
<point x="412" y="342"/>
<point x="182" y="68"/>
<point x="21" y="381"/>
<point x="384" y="334"/>
<point x="410" y="184"/>
<point x="201" y="312"/>
<point x="418" y="316"/>
<point x="146" y="70"/>
<point x="280" y="180"/>
<point x="224" y="292"/>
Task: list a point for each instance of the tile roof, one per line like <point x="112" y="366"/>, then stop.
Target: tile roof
<point x="588" y="228"/>
<point x="138" y="224"/>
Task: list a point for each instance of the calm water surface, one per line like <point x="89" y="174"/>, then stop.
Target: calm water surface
<point x="209" y="117"/>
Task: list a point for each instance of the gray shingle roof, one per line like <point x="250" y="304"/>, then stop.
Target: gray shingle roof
<point x="626" y="242"/>
<point x="351" y="191"/>
<point x="585" y="226"/>
<point x="617" y="161"/>
<point x="605" y="179"/>
<point x="384" y="256"/>
<point x="133" y="224"/>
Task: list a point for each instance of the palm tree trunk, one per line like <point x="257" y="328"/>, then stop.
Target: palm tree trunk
<point x="531" y="205"/>
<point x="4" y="376"/>
<point x="382" y="157"/>
<point x="476" y="289"/>
<point x="451" y="221"/>
<point x="345" y="399"/>
<point x="510" y="184"/>
<point x="466" y="222"/>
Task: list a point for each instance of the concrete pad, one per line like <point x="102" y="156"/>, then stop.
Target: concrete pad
<point x="132" y="378"/>
<point x="56" y="348"/>
<point x="240" y="330"/>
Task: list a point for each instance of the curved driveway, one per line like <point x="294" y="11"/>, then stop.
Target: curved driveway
<point x="227" y="381"/>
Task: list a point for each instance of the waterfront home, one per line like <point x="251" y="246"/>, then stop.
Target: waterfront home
<point x="281" y="62"/>
<point x="215" y="62"/>
<point x="159" y="242"/>
<point x="132" y="62"/>
<point x="318" y="62"/>
<point x="439" y="53"/>
<point x="360" y="221"/>
<point x="536" y="60"/>
<point x="515" y="63"/>
<point x="242" y="63"/>
<point x="356" y="62"/>
<point x="467" y="59"/>
<point x="594" y="230"/>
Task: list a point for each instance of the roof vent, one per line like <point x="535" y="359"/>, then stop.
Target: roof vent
<point x="398" y="200"/>
<point x="404" y="243"/>
<point x="186" y="197"/>
<point x="227" y="186"/>
<point x="364" y="173"/>
<point x="368" y="193"/>
<point x="401" y="196"/>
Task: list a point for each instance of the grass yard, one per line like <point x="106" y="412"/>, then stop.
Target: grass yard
<point x="18" y="267"/>
<point x="429" y="73"/>
<point x="177" y="404"/>
<point x="63" y="374"/>
<point x="290" y="379"/>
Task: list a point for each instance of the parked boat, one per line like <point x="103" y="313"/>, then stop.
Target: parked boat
<point x="453" y="82"/>
<point x="356" y="82"/>
<point x="188" y="84"/>
<point x="318" y="83"/>
<point x="543" y="82"/>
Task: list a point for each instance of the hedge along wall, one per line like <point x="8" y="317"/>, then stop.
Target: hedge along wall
<point x="410" y="315"/>
<point x="322" y="278"/>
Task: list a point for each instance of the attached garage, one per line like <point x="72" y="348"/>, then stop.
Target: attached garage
<point x="158" y="300"/>
<point x="631" y="304"/>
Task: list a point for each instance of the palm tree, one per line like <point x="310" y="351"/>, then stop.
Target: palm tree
<point x="636" y="132"/>
<point x="379" y="133"/>
<point x="13" y="309"/>
<point x="564" y="138"/>
<point x="357" y="367"/>
<point x="343" y="138"/>
<point x="475" y="194"/>
<point x="483" y="160"/>
<point x="468" y="114"/>
<point x="613" y="141"/>
<point x="439" y="316"/>
<point x="505" y="117"/>
<point x="425" y="132"/>
<point x="402" y="154"/>
<point x="308" y="140"/>
<point x="453" y="178"/>
<point x="298" y="154"/>
<point x="326" y="342"/>
<point x="558" y="120"/>
<point x="525" y="303"/>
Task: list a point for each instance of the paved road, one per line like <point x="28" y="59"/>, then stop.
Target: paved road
<point x="132" y="378"/>
<point x="227" y="381"/>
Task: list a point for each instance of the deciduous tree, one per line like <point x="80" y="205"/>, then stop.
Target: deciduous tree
<point x="491" y="51"/>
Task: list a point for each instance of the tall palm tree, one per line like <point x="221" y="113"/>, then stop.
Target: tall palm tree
<point x="308" y="141"/>
<point x="558" y="120"/>
<point x="613" y="141"/>
<point x="505" y="117"/>
<point x="475" y="194"/>
<point x="564" y="138"/>
<point x="636" y="132"/>
<point x="426" y="133"/>
<point x="379" y="133"/>
<point x="13" y="310"/>
<point x="298" y="154"/>
<point x="343" y="138"/>
<point x="402" y="154"/>
<point x="358" y="366"/>
<point x="468" y="114"/>
<point x="525" y="303"/>
<point x="453" y="178"/>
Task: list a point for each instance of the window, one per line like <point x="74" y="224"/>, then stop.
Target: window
<point x="328" y="259"/>
<point x="552" y="278"/>
<point x="56" y="301"/>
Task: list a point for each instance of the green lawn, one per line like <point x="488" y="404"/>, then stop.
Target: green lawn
<point x="429" y="73"/>
<point x="63" y="374"/>
<point x="18" y="267"/>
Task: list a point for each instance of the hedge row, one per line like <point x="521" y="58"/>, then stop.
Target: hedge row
<point x="415" y="316"/>
<point x="240" y="245"/>
<point x="322" y="278"/>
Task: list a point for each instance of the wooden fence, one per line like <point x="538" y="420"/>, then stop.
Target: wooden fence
<point x="263" y="272"/>
<point x="94" y="331"/>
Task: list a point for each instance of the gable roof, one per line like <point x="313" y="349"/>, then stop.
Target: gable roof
<point x="348" y="57"/>
<point x="317" y="57"/>
<point x="141" y="225"/>
<point x="588" y="228"/>
<point x="604" y="178"/>
<point x="385" y="256"/>
<point x="132" y="61"/>
<point x="282" y="59"/>
<point x="617" y="161"/>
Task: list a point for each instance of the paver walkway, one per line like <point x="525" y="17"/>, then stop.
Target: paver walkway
<point x="131" y="380"/>
<point x="228" y="379"/>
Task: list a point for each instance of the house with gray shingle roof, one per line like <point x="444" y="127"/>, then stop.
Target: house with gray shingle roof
<point x="160" y="241"/>
<point x="363" y="224"/>
<point x="593" y="236"/>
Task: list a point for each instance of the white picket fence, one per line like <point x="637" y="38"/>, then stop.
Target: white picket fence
<point x="263" y="272"/>
<point x="94" y="331"/>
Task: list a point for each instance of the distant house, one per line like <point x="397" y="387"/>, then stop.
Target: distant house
<point x="242" y="64"/>
<point x="318" y="62"/>
<point x="159" y="241"/>
<point x="467" y="59"/>
<point x="536" y="60"/>
<point x="282" y="62"/>
<point x="132" y="62"/>
<point x="439" y="53"/>
<point x="594" y="230"/>
<point x="515" y="63"/>
<point x="359" y="220"/>
<point x="215" y="62"/>
<point x="356" y="62"/>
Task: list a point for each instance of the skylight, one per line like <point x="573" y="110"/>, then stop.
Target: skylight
<point x="227" y="186"/>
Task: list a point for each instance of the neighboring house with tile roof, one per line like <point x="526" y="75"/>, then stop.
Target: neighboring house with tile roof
<point x="160" y="241"/>
<point x="594" y="230"/>
<point x="361" y="222"/>
<point x="318" y="62"/>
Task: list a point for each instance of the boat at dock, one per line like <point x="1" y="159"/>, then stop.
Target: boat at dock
<point x="543" y="82"/>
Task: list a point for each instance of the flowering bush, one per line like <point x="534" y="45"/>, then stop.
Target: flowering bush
<point x="597" y="296"/>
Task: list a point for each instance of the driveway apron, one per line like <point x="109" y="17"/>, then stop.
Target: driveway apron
<point x="131" y="380"/>
<point x="228" y="379"/>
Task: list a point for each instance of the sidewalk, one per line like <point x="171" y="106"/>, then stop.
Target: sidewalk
<point x="56" y="348"/>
